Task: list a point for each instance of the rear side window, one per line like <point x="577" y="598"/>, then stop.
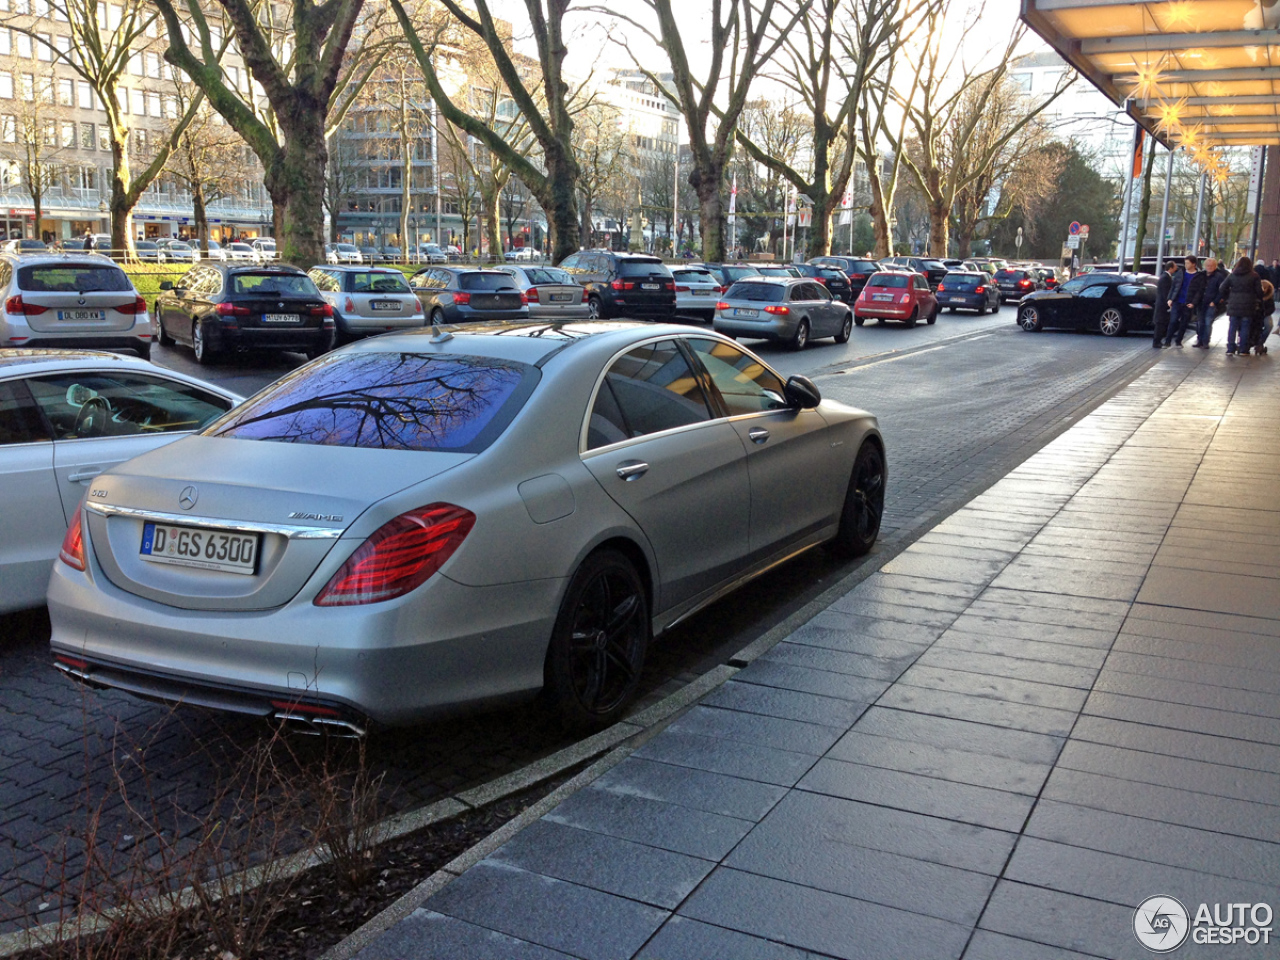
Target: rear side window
<point x="486" y="281"/>
<point x="763" y="292"/>
<point x="72" y="278"/>
<point x="387" y="401"/>
<point x="274" y="284"/>
<point x="897" y="281"/>
<point x="648" y="390"/>
<point x="642" y="268"/>
<point x="1139" y="291"/>
<point x="326" y="281"/>
<point x="98" y="404"/>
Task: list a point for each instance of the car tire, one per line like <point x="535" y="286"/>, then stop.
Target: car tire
<point x="863" y="503"/>
<point x="162" y="336"/>
<point x="143" y="350"/>
<point x="1029" y="319"/>
<point x="800" y="339"/>
<point x="914" y="318"/>
<point x="933" y="317"/>
<point x="200" y="346"/>
<point x="858" y="321"/>
<point x="437" y="317"/>
<point x="1111" y="323"/>
<point x="846" y="329"/>
<point x="595" y="310"/>
<point x="598" y="643"/>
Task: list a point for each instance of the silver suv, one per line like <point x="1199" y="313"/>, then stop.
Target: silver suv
<point x="71" y="300"/>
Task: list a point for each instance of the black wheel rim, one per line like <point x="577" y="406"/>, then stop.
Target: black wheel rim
<point x="868" y="492"/>
<point x="848" y="327"/>
<point x="606" y="642"/>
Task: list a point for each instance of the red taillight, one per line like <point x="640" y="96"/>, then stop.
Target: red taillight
<point x="72" y="662"/>
<point x="72" y="552"/>
<point x="722" y="289"/>
<point x="584" y="295"/>
<point x="294" y="707"/>
<point x="138" y="306"/>
<point x="231" y="310"/>
<point x="530" y="296"/>
<point x="462" y="299"/>
<point x="16" y="305"/>
<point x="1024" y="283"/>
<point x="977" y="289"/>
<point x="417" y="306"/>
<point x="399" y="556"/>
<point x="622" y="285"/>
<point x="721" y="305"/>
<point x="682" y="289"/>
<point x="774" y="308"/>
<point x="669" y="285"/>
<point x="349" y="305"/>
<point x="821" y="280"/>
<point x="857" y="276"/>
<point x="905" y="298"/>
<point x="941" y="287"/>
<point x="324" y="310"/>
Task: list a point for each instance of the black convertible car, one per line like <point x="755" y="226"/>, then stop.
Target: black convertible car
<point x="1110" y="303"/>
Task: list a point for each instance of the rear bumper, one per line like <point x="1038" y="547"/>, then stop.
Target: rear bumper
<point x="882" y="311"/>
<point x="567" y="311"/>
<point x="442" y="648"/>
<point x="127" y="341"/>
<point x="371" y="325"/>
<point x="977" y="301"/>
<point x="268" y="338"/>
<point x="771" y="329"/>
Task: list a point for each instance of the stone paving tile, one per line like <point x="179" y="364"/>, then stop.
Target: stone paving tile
<point x="951" y="763"/>
<point x="696" y="789"/>
<point x="1018" y="648"/>
<point x="632" y="870"/>
<point x="1098" y="578"/>
<point x="731" y="725"/>
<point x="811" y="919"/>
<point x="1254" y="679"/>
<point x="820" y="657"/>
<point x="1004" y="624"/>
<point x="749" y="761"/>
<point x="1185" y="692"/>
<point x="953" y="734"/>
<point x="683" y="939"/>
<point x="788" y="704"/>
<point x="939" y="657"/>
<point x="536" y="908"/>
<point x="1091" y="927"/>
<point x="996" y="687"/>
<point x="426" y="935"/>
<point x="1222" y="751"/>
<point x="986" y="945"/>
<point x="999" y="713"/>
<point x="1227" y="593"/>
<point x="1180" y="773"/>
<point x="771" y="673"/>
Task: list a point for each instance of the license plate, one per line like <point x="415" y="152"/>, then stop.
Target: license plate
<point x="561" y="297"/>
<point x="648" y="286"/>
<point x="197" y="547"/>
<point x="702" y="293"/>
<point x="80" y="315"/>
<point x="957" y="299"/>
<point x="745" y="312"/>
<point x="882" y="297"/>
<point x="385" y="304"/>
<point x="281" y="318"/>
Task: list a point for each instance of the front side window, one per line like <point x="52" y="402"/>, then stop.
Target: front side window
<point x="108" y="404"/>
<point x="387" y="401"/>
<point x="745" y="384"/>
<point x="19" y="421"/>
<point x="648" y="390"/>
<point x="1095" y="292"/>
<point x="325" y="281"/>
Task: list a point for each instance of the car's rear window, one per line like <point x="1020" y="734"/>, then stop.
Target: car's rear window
<point x="961" y="281"/>
<point x="693" y="276"/>
<point x="774" y="272"/>
<point x="890" y="280"/>
<point x="274" y="284"/>
<point x="383" y="282"/>
<point x="1010" y="274"/>
<point x="72" y="278"/>
<point x="865" y="266"/>
<point x="831" y="273"/>
<point x="538" y="275"/>
<point x="387" y="401"/>
<point x="347" y="247"/>
<point x="754" y="290"/>
<point x="486" y="281"/>
<point x="737" y="273"/>
<point x="642" y="268"/>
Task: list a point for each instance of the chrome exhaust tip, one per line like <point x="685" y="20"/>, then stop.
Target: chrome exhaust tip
<point x="319" y="726"/>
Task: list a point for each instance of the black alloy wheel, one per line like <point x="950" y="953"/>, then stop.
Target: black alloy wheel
<point x="599" y="642"/>
<point x="863" y="503"/>
<point x="846" y="329"/>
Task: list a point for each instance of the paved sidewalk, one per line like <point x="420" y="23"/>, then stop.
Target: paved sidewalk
<point x="1062" y="700"/>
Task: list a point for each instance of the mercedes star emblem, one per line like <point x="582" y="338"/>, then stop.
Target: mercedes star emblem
<point x="187" y="498"/>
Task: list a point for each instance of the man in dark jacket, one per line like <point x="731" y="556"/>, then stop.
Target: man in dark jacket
<point x="1260" y="268"/>
<point x="1243" y="292"/>
<point x="1187" y="290"/>
<point x="1211" y="305"/>
<point x="1164" y="297"/>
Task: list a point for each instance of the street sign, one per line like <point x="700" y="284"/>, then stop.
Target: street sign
<point x="1074" y="229"/>
<point x="1017" y="240"/>
<point x="806" y="216"/>
<point x="1084" y="231"/>
<point x="1073" y="242"/>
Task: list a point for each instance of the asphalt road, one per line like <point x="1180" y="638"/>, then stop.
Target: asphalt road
<point x="960" y="403"/>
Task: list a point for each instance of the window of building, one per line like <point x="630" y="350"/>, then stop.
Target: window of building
<point x="28" y="86"/>
<point x="4" y="6"/>
<point x="113" y="16"/>
<point x="6" y="85"/>
<point x="44" y="89"/>
<point x="153" y="66"/>
<point x="40" y="8"/>
<point x="22" y="6"/>
<point x="138" y="140"/>
<point x="1022" y="81"/>
<point x="104" y="138"/>
<point x="9" y="128"/>
<point x="44" y="47"/>
<point x="6" y="42"/>
<point x="24" y="46"/>
<point x="63" y="43"/>
<point x="68" y="138"/>
<point x="50" y="133"/>
<point x="84" y="94"/>
<point x="88" y="139"/>
<point x="88" y="178"/>
<point x="66" y="93"/>
<point x="135" y="63"/>
<point x="153" y="104"/>
<point x="139" y="102"/>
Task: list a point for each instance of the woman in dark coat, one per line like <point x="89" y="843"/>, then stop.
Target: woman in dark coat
<point x="1242" y="291"/>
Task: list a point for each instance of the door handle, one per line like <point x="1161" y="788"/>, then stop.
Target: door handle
<point x="632" y="470"/>
<point x="85" y="475"/>
<point x="758" y="434"/>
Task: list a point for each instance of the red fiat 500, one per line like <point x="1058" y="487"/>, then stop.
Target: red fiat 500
<point x="896" y="295"/>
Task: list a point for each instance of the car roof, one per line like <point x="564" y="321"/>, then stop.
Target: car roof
<point x="355" y="268"/>
<point x="229" y="266"/>
<point x="25" y="362"/>
<point x="895" y="273"/>
<point x="67" y="257"/>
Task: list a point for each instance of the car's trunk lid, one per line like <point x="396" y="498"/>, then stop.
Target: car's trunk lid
<point x="293" y="500"/>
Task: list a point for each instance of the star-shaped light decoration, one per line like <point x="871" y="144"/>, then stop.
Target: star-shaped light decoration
<point x="1189" y="137"/>
<point x="1146" y="80"/>
<point x="1170" y="116"/>
<point x="1178" y="17"/>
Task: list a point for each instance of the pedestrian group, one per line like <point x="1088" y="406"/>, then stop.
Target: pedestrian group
<point x="1188" y="297"/>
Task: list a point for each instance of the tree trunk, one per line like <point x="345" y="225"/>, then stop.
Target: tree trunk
<point x="296" y="185"/>
<point x="706" y="180"/>
<point x="879" y="216"/>
<point x="201" y="218"/>
<point x="121" y="208"/>
<point x="37" y="204"/>
<point x="1144" y="211"/>
<point x="493" y="226"/>
<point x="584" y="229"/>
<point x="964" y="239"/>
<point x="939" y="229"/>
<point x="820" y="235"/>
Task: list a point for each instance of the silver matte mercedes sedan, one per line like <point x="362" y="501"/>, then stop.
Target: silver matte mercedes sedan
<point x="473" y="514"/>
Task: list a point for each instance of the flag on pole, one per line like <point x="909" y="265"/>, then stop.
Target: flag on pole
<point x="1137" y="152"/>
<point x="846" y="206"/>
<point x="733" y="200"/>
<point x="791" y="208"/>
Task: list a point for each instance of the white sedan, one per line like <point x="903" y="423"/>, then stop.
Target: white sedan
<point x="66" y="416"/>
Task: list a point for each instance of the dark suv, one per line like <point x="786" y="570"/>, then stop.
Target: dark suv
<point x="856" y="269"/>
<point x="933" y="270"/>
<point x="833" y="278"/>
<point x="623" y="284"/>
<point x="221" y="307"/>
<point x="1016" y="282"/>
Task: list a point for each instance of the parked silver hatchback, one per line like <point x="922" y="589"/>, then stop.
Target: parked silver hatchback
<point x="71" y="300"/>
<point x="550" y="292"/>
<point x="790" y="311"/>
<point x="367" y="300"/>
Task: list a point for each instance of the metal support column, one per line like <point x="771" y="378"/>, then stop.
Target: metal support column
<point x="1195" y="237"/>
<point x="1164" y="215"/>
<point x="1257" y="206"/>
<point x="675" y="203"/>
<point x="1125" y="204"/>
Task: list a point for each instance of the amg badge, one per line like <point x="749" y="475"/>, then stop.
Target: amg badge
<point x="299" y="515"/>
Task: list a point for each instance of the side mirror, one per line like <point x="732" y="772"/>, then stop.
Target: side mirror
<point x="166" y="284"/>
<point x="802" y="392"/>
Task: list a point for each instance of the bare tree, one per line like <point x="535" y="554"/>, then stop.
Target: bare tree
<point x="342" y="177"/>
<point x="784" y="134"/>
<point x="209" y="159"/>
<point x="32" y="141"/>
<point x="948" y="104"/>
<point x="305" y="81"/>
<point x="603" y="160"/>
<point x="458" y="177"/>
<point x="544" y="106"/>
